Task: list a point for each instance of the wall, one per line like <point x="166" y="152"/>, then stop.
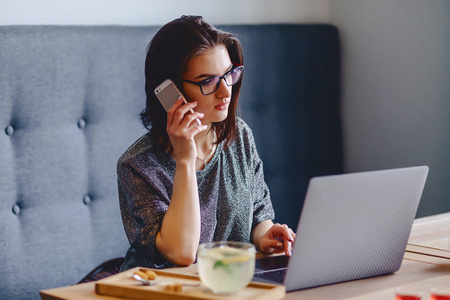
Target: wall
<point x="151" y="12"/>
<point x="396" y="89"/>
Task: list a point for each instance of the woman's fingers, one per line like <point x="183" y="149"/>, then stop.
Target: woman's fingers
<point x="288" y="239"/>
<point x="182" y="126"/>
<point x="179" y="109"/>
<point x="293" y="234"/>
<point x="190" y="119"/>
<point x="188" y="127"/>
<point x="285" y="235"/>
<point x="183" y="111"/>
<point x="287" y="247"/>
<point x="273" y="246"/>
<point x="183" y="121"/>
<point x="197" y="128"/>
<point x="284" y="231"/>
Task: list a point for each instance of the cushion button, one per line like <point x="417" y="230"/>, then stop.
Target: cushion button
<point x="9" y="130"/>
<point x="16" y="209"/>
<point x="81" y="123"/>
<point x="86" y="200"/>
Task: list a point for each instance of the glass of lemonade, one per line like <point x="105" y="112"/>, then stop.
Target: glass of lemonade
<point x="226" y="267"/>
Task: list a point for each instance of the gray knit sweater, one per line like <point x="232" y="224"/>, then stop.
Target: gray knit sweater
<point x="233" y="195"/>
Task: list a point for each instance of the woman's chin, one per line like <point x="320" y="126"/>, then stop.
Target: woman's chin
<point x="219" y="117"/>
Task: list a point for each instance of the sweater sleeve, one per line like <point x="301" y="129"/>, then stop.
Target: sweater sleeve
<point x="262" y="204"/>
<point x="143" y="203"/>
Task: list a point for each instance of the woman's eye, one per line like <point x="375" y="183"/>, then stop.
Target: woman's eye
<point x="209" y="81"/>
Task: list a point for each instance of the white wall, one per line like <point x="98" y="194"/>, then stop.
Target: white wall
<point x="396" y="88"/>
<point x="152" y="12"/>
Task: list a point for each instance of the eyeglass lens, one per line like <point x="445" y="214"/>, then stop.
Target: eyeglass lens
<point x="211" y="85"/>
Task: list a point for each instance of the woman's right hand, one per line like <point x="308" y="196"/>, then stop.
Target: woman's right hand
<point x="181" y="128"/>
<point x="179" y="235"/>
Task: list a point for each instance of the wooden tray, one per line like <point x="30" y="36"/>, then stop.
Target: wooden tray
<point x="125" y="286"/>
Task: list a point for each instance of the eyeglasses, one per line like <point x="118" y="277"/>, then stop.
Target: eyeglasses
<point x="211" y="84"/>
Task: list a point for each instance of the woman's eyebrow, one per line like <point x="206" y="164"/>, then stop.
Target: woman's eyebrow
<point x="212" y="75"/>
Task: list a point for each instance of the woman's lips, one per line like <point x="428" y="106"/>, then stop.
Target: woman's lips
<point x="222" y="106"/>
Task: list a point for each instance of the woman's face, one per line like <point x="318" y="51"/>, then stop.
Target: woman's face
<point x="213" y="62"/>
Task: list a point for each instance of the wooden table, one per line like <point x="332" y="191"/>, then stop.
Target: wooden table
<point x="426" y="264"/>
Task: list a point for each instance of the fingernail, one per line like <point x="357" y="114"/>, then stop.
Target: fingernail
<point x="279" y="244"/>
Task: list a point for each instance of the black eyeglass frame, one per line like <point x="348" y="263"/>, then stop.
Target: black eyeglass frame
<point x="199" y="83"/>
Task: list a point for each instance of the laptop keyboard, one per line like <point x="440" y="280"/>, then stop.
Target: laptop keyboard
<point x="275" y="275"/>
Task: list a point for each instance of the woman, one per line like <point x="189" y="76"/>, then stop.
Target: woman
<point x="187" y="182"/>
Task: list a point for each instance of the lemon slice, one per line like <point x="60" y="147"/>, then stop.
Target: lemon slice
<point x="232" y="260"/>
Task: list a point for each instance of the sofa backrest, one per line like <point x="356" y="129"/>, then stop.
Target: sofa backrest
<point x="70" y="98"/>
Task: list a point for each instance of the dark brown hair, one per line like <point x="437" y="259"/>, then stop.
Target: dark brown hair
<point x="169" y="52"/>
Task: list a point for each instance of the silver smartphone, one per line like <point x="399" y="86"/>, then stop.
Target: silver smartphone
<point x="167" y="93"/>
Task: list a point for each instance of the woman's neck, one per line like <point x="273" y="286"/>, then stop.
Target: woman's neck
<point x="205" y="142"/>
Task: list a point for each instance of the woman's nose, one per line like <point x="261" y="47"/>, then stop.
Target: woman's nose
<point x="224" y="91"/>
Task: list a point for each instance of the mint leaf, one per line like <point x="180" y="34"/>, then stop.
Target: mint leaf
<point x="226" y="267"/>
<point x="219" y="263"/>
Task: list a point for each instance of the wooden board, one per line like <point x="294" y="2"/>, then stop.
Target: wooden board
<point x="425" y="250"/>
<point x="428" y="259"/>
<point x="125" y="286"/>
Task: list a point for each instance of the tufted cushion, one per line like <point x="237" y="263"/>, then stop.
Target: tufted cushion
<point x="69" y="104"/>
<point x="70" y="97"/>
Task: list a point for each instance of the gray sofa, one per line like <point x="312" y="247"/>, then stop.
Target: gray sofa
<point x="70" y="97"/>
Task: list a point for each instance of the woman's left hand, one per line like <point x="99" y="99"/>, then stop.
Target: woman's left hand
<point x="277" y="239"/>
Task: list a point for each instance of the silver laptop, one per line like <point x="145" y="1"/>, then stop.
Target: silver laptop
<point x="352" y="226"/>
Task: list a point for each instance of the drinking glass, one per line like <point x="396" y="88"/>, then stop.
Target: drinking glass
<point x="226" y="267"/>
<point x="440" y="294"/>
<point x="408" y="294"/>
